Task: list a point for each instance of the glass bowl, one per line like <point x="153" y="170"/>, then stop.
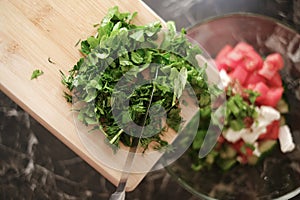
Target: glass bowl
<point x="278" y="176"/>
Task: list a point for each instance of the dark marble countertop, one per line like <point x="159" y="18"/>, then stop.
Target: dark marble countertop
<point x="36" y="165"/>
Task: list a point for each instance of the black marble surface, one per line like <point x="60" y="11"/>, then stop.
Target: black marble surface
<point x="35" y="165"/>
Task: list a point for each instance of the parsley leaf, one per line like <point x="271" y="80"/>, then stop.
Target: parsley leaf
<point x="121" y="47"/>
<point x="36" y="73"/>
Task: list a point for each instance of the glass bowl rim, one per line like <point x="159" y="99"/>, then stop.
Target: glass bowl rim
<point x="243" y="14"/>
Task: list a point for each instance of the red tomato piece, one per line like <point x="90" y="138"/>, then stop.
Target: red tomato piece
<point x="268" y="70"/>
<point x="275" y="81"/>
<point x="243" y="150"/>
<point x="243" y="47"/>
<point x="276" y="59"/>
<point x="249" y="151"/>
<point x="238" y="145"/>
<point x="252" y="61"/>
<point x="262" y="89"/>
<point x="227" y="64"/>
<point x="231" y="64"/>
<point x="251" y="86"/>
<point x="272" y="97"/>
<point x="221" y="65"/>
<point x="254" y="78"/>
<point x="221" y="139"/>
<point x="272" y="131"/>
<point x="239" y="74"/>
<point x="224" y="51"/>
<point x="235" y="56"/>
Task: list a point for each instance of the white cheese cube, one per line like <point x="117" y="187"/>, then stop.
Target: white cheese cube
<point x="232" y="135"/>
<point x="269" y="114"/>
<point x="225" y="79"/>
<point x="256" y="150"/>
<point x="251" y="137"/>
<point x="286" y="139"/>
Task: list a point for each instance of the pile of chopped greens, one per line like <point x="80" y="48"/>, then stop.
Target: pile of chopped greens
<point x="121" y="47"/>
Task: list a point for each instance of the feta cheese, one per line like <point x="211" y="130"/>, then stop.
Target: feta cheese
<point x="256" y="150"/>
<point x="285" y="139"/>
<point x="268" y="114"/>
<point x="225" y="79"/>
<point x="232" y="135"/>
<point x="251" y="136"/>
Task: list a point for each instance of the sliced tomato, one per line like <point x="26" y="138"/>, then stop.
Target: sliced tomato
<point x="227" y="64"/>
<point x="252" y="61"/>
<point x="251" y="86"/>
<point x="268" y="70"/>
<point x="272" y="97"/>
<point x="221" y="65"/>
<point x="235" y="56"/>
<point x="249" y="151"/>
<point x="254" y="78"/>
<point x="276" y="59"/>
<point x="243" y="158"/>
<point x="221" y="139"/>
<point x="239" y="74"/>
<point x="243" y="150"/>
<point x="238" y="145"/>
<point x="275" y="80"/>
<point x="272" y="131"/>
<point x="262" y="89"/>
<point x="224" y="51"/>
<point x="243" y="47"/>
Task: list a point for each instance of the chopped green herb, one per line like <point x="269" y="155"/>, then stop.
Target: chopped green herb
<point x="36" y="73"/>
<point x="90" y="82"/>
<point x="238" y="108"/>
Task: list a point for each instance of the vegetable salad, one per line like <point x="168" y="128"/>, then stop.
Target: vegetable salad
<point x="254" y="122"/>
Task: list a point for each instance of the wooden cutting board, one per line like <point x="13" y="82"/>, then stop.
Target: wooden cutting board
<point x="33" y="31"/>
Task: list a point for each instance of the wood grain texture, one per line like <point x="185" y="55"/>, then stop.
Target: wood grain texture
<point x="31" y="31"/>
